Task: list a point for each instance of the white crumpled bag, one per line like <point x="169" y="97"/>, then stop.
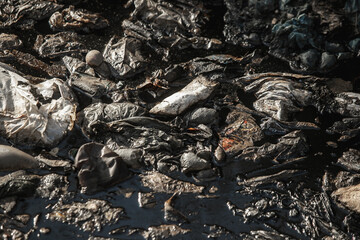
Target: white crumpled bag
<point x="35" y="115"/>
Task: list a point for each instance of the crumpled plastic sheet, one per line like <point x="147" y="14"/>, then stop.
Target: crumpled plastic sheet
<point x="350" y="160"/>
<point x="58" y="45"/>
<point x="94" y="87"/>
<point x="348" y="128"/>
<point x="348" y="197"/>
<point x="99" y="167"/>
<point x="98" y="113"/>
<point x="290" y="146"/>
<point x="35" y="115"/>
<point x="240" y="133"/>
<point x="175" y="24"/>
<point x="140" y="132"/>
<point x="18" y="183"/>
<point x="77" y="19"/>
<point x="303" y="33"/>
<point x="348" y="104"/>
<point x="125" y="56"/>
<point x="279" y="97"/>
<point x="14" y="11"/>
<point x="271" y="126"/>
<point x="29" y="61"/>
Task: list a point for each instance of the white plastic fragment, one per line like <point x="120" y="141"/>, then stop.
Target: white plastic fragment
<point x="198" y="89"/>
<point x="34" y="115"/>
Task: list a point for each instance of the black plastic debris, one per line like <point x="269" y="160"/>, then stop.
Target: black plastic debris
<point x="124" y="56"/>
<point x="99" y="167"/>
<point x="58" y="45"/>
<point x="77" y="19"/>
<point x="179" y="119"/>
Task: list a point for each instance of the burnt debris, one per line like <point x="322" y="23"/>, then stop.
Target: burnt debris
<point x="156" y="119"/>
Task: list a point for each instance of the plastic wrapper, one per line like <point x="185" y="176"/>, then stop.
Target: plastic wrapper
<point x="199" y="89"/>
<point x="93" y="87"/>
<point x="165" y="25"/>
<point x="58" y="45"/>
<point x="125" y="56"/>
<point x="16" y="11"/>
<point x="240" y="133"/>
<point x="104" y="113"/>
<point x="77" y="19"/>
<point x="35" y="115"/>
<point x="99" y="167"/>
<point x="289" y="146"/>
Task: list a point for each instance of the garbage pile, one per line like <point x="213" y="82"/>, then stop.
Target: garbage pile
<point x="157" y="119"/>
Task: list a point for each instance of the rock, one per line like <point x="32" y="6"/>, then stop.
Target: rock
<point x="205" y="116"/>
<point x="327" y="60"/>
<point x="220" y="154"/>
<point x="94" y="58"/>
<point x="310" y="58"/>
<point x="44" y="230"/>
<point x="189" y="162"/>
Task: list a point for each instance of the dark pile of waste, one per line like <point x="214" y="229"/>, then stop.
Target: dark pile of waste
<point x="159" y="119"/>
